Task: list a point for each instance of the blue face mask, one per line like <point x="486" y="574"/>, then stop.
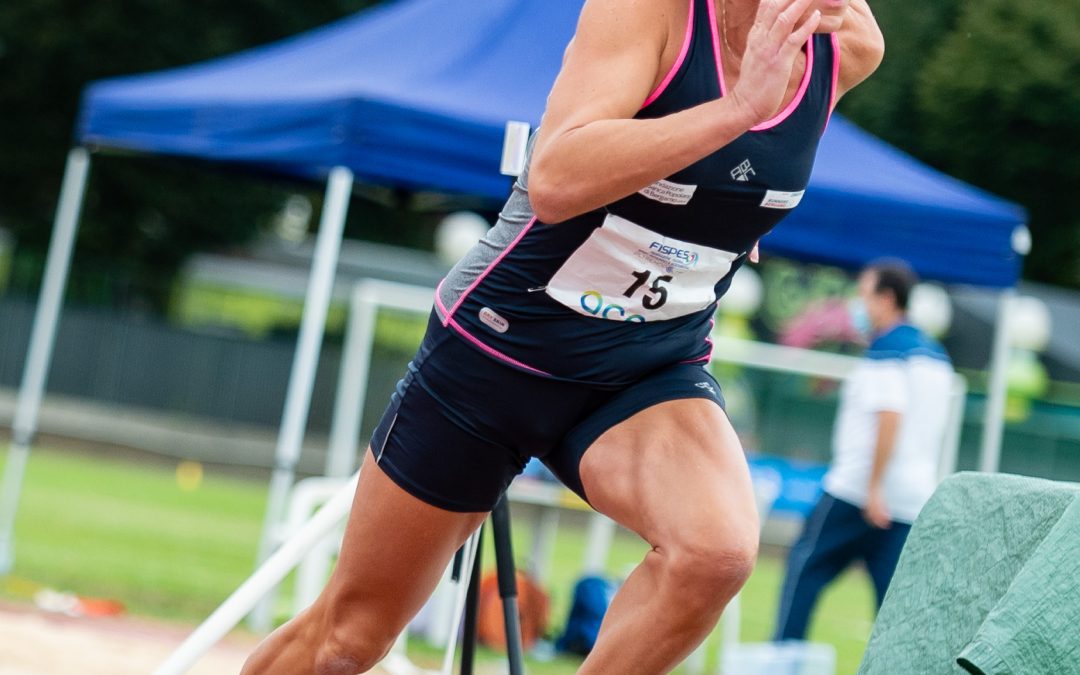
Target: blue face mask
<point x="860" y="318"/>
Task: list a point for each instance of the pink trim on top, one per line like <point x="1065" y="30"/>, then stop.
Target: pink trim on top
<point x="835" y="77"/>
<point x="496" y="261"/>
<point x="708" y="340"/>
<point x="438" y="298"/>
<point x="492" y="351"/>
<point x="450" y="323"/>
<point x="786" y="112"/>
<point x="716" y="49"/>
<point x="678" y="62"/>
<point x="700" y="358"/>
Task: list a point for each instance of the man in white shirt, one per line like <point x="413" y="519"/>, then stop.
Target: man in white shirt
<point x="887" y="439"/>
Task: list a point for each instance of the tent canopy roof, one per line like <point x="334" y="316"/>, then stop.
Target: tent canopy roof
<point x="416" y="94"/>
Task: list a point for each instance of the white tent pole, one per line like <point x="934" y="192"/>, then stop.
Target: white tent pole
<point x="950" y="446"/>
<point x="367" y="297"/>
<point x="352" y="382"/>
<point x="994" y="415"/>
<point x="42" y="338"/>
<point x="229" y="613"/>
<point x="468" y="558"/>
<point x="302" y="377"/>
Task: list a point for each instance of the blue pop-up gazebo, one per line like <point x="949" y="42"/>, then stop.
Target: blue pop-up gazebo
<point x="416" y="94"/>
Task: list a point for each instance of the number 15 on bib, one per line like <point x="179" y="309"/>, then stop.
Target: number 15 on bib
<point x="625" y="272"/>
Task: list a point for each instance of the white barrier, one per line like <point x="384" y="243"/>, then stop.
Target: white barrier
<point x="268" y="575"/>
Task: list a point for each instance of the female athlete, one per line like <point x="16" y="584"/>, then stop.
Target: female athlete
<point x="677" y="134"/>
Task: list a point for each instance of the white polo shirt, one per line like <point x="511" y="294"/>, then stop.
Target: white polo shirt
<point x="903" y="371"/>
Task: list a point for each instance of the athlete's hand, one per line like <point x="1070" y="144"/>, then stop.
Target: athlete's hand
<point x="778" y="33"/>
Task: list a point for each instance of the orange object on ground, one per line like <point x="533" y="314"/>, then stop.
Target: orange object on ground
<point x="532" y="605"/>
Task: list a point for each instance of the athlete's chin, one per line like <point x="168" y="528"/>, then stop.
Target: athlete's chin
<point x="832" y="14"/>
<point x="830" y="23"/>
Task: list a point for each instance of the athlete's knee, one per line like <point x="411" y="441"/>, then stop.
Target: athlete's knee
<point x="343" y="665"/>
<point x="347" y="651"/>
<point x="712" y="571"/>
<point x="351" y="640"/>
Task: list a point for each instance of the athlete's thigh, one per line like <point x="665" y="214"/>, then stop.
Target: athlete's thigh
<point x="673" y="471"/>
<point x="393" y="554"/>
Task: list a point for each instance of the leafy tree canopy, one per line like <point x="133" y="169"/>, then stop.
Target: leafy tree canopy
<point x="1001" y="108"/>
<point x="143" y="215"/>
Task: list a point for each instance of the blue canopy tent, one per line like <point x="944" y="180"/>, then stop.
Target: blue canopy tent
<point x="867" y="199"/>
<point x="413" y="93"/>
<point x="416" y="94"/>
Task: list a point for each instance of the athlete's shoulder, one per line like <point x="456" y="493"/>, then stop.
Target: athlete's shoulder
<point x="862" y="46"/>
<point x="608" y="70"/>
<point x="607" y="28"/>
<point x="618" y="16"/>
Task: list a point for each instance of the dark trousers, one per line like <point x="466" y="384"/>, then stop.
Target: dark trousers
<point x="834" y="536"/>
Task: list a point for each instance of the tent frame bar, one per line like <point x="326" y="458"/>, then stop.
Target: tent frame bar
<point x="997" y="386"/>
<point x="42" y="340"/>
<point x="260" y="583"/>
<point x="294" y="418"/>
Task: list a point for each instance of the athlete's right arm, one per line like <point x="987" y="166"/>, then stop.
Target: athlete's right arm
<point x="590" y="152"/>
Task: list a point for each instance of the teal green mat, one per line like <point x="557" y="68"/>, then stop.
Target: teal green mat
<point x="1035" y="628"/>
<point x="986" y="555"/>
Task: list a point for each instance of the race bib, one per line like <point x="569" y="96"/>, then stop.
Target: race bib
<point x="625" y="272"/>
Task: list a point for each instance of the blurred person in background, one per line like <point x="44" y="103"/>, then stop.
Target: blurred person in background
<point x="887" y="439"/>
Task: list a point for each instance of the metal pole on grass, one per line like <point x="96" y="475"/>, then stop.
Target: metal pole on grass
<point x="507" y="579"/>
<point x="950" y="447"/>
<point x="302" y="377"/>
<point x="42" y="339"/>
<point x="994" y="415"/>
<point x="352" y="382"/>
<point x="267" y="576"/>
<point x="368" y="296"/>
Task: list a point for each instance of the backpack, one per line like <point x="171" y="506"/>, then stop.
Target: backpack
<point x="592" y="595"/>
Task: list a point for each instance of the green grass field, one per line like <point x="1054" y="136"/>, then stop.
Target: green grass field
<point x="119" y="528"/>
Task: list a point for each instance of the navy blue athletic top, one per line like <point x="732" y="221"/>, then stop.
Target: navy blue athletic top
<point x="613" y="294"/>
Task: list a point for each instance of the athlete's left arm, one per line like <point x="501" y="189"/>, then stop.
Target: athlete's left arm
<point x="861" y="46"/>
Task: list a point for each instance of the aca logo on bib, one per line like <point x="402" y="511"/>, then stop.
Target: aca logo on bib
<point x="593" y="302"/>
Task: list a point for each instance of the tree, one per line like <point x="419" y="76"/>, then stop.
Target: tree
<point x="147" y="212"/>
<point x="999" y="106"/>
<point x="885" y="105"/>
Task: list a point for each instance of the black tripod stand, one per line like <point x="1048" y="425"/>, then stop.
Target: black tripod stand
<point x="504" y="565"/>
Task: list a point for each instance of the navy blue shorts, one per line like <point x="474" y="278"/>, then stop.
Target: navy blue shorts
<point x="461" y="424"/>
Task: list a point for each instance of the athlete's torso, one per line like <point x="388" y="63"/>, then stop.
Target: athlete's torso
<point x="615" y="293"/>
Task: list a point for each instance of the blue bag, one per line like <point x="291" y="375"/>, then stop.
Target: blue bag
<point x="592" y="595"/>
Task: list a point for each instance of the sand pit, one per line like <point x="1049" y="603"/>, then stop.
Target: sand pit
<point x="38" y="643"/>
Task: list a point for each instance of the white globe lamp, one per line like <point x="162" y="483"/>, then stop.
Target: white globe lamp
<point x="745" y="294"/>
<point x="457" y="233"/>
<point x="1029" y="323"/>
<point x="930" y="309"/>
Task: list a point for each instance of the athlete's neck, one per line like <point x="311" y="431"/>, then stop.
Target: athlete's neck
<point x="735" y="19"/>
